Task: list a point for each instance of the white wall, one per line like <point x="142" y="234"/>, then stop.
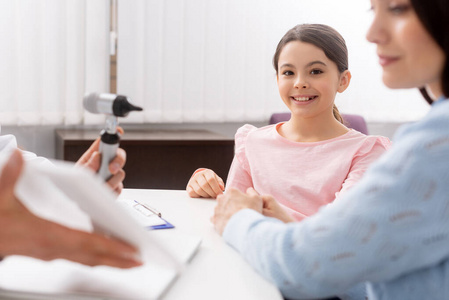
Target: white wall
<point x="195" y="50"/>
<point x="52" y="52"/>
<point x="210" y="60"/>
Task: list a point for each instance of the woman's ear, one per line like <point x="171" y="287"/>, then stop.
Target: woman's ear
<point x="345" y="79"/>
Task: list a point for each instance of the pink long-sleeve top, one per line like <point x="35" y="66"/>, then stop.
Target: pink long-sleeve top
<point x="302" y="177"/>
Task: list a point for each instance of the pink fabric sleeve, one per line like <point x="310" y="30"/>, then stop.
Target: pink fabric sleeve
<point x="239" y="176"/>
<point x="371" y="150"/>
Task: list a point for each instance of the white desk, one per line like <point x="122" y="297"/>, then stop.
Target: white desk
<point x="216" y="271"/>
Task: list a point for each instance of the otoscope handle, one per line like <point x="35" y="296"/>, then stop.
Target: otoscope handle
<point x="108" y="149"/>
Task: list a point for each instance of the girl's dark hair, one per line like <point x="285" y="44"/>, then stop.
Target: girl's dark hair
<point x="434" y="15"/>
<point x="322" y="36"/>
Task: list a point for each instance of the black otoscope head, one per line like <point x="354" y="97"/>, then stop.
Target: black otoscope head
<point x="121" y="106"/>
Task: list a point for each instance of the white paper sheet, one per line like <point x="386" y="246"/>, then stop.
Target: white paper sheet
<point x="79" y="199"/>
<point x="140" y="213"/>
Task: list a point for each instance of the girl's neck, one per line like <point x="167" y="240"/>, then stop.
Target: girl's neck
<point x="312" y="129"/>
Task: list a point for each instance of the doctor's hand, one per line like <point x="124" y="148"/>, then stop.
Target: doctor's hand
<point x="272" y="208"/>
<point x="233" y="201"/>
<point x="92" y="159"/>
<point x="205" y="183"/>
<point x="23" y="233"/>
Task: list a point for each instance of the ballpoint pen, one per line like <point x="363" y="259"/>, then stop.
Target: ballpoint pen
<point x="154" y="211"/>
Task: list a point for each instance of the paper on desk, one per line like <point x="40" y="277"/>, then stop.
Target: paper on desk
<point x="77" y="198"/>
<point x="140" y="213"/>
<point x="61" y="279"/>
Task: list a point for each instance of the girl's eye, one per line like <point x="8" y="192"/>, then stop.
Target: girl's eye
<point x="399" y="9"/>
<point x="316" y="72"/>
<point x="287" y="73"/>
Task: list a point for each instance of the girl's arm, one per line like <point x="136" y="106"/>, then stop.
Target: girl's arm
<point x="238" y="176"/>
<point x="373" y="148"/>
<point x="206" y="183"/>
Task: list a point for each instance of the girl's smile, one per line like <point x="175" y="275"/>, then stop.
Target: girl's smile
<point x="303" y="99"/>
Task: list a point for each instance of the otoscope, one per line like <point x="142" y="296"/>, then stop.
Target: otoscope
<point x="113" y="106"/>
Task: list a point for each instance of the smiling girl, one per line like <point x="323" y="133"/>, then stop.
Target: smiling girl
<point x="307" y="161"/>
<point x="391" y="230"/>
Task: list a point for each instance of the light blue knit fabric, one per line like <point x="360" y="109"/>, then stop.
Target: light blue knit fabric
<point x="391" y="230"/>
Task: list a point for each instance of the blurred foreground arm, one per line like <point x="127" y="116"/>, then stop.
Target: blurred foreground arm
<point x="23" y="233"/>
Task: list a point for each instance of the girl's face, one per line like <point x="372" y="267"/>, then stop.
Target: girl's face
<point x="408" y="54"/>
<point x="308" y="80"/>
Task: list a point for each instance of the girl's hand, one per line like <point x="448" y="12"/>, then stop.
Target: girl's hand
<point x="92" y="159"/>
<point x="271" y="208"/>
<point x="205" y="183"/>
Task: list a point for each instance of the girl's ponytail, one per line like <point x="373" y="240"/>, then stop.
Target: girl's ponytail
<point x="337" y="115"/>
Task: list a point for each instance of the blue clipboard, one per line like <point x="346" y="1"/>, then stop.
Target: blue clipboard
<point x="167" y="225"/>
<point x="141" y="211"/>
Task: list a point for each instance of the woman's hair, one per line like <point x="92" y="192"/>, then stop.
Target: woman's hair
<point x="434" y="15"/>
<point x="322" y="36"/>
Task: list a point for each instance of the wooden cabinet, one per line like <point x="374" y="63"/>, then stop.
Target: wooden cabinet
<point x="157" y="159"/>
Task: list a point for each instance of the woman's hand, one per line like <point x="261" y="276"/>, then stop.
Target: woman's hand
<point x="92" y="159"/>
<point x="233" y="201"/>
<point x="205" y="183"/>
